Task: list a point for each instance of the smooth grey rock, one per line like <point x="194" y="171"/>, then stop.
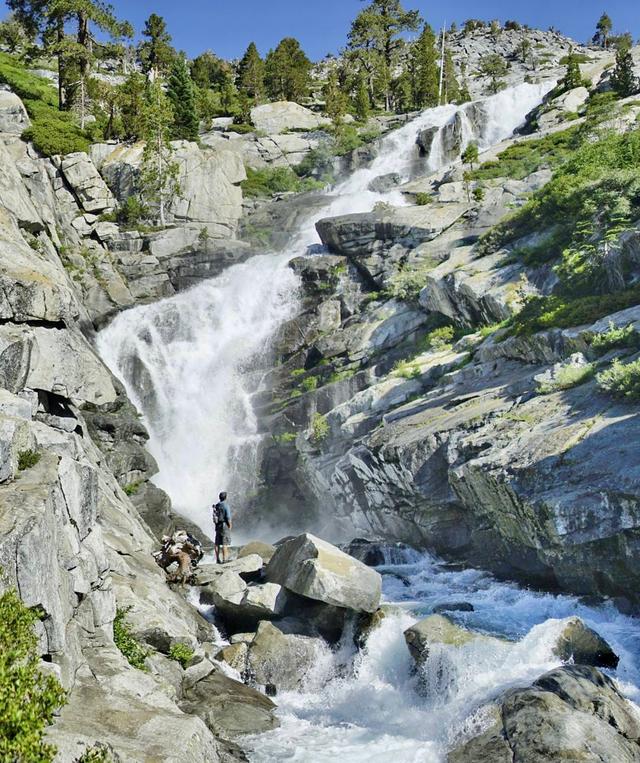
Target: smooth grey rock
<point x="264" y="550"/>
<point x="14" y="119"/>
<point x="277" y="117"/>
<point x="90" y="189"/>
<point x="437" y="629"/>
<point x="584" y="646"/>
<point x="279" y="659"/>
<point x="317" y="570"/>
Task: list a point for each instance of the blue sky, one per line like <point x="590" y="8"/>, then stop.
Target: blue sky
<point x="321" y="25"/>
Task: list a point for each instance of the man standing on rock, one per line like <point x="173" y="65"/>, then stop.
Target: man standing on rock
<point x="222" y="523"/>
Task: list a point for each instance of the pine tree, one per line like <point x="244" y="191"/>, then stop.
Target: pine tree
<point x="470" y="154"/>
<point x="572" y="77"/>
<point x="182" y="94"/>
<point x="623" y="80"/>
<point x="603" y="30"/>
<point x="159" y="171"/>
<point x="156" y="53"/>
<point x="362" y="103"/>
<point x="251" y="74"/>
<point x="287" y="72"/>
<point x="229" y="96"/>
<point x="495" y="68"/>
<point x="14" y="36"/>
<point x="376" y="31"/>
<point x="131" y="98"/>
<point x="336" y="102"/>
<point x="451" y="84"/>
<point x="402" y="93"/>
<point x="423" y="65"/>
<point x="208" y="71"/>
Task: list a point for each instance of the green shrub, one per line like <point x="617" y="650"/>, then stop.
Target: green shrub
<point x="52" y="131"/>
<point x="133" y="487"/>
<point x="615" y="336"/>
<point x="479" y="193"/>
<point x="406" y="369"/>
<point x="131" y="648"/>
<point x="423" y="199"/>
<point x="272" y="180"/>
<point x="543" y="313"/>
<point x="621" y="380"/>
<point x="319" y="428"/>
<point x="440" y="338"/>
<point x="566" y="378"/>
<point x="181" y="653"/>
<point x="27" y="459"/>
<point x="132" y="212"/>
<point x="241" y="129"/>
<point x="28" y="698"/>
<point x="310" y="383"/>
<point x="97" y="753"/>
<point x="527" y="156"/>
<point x="285" y="438"/>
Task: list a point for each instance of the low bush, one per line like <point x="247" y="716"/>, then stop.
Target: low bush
<point x="28" y="698"/>
<point x="272" y="180"/>
<point x="28" y="459"/>
<point x="423" y="199"/>
<point x="310" y="383"/>
<point x="543" y="313"/>
<point x="440" y="338"/>
<point x="52" y="131"/>
<point x="181" y="653"/>
<point x="622" y="380"/>
<point x="97" y="753"/>
<point x="131" y="648"/>
<point x="615" y="336"/>
<point x="319" y="428"/>
<point x="566" y="378"/>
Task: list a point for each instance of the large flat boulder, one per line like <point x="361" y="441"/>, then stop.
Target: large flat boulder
<point x="278" y="117"/>
<point x="317" y="570"/>
<point x="89" y="188"/>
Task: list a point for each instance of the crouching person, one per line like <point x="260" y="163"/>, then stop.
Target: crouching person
<point x="182" y="549"/>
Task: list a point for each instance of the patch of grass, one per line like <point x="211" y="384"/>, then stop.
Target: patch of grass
<point x="134" y="652"/>
<point x="621" y="380"/>
<point x="423" y="199"/>
<point x="298" y="372"/>
<point x="566" y="378"/>
<point x="181" y="653"/>
<point x="319" y="428"/>
<point x="338" y="376"/>
<point x="615" y="336"/>
<point x="441" y="338"/>
<point x="580" y="58"/>
<point x="408" y="282"/>
<point x="406" y="369"/>
<point x="27" y="459"/>
<point x="28" y="698"/>
<point x="52" y="131"/>
<point x="272" y="180"/>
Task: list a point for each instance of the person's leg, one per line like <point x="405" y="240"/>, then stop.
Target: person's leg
<point x="225" y="553"/>
<point x="217" y="551"/>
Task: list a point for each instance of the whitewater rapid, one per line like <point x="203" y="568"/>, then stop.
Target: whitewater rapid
<point x="372" y="706"/>
<point x="191" y="363"/>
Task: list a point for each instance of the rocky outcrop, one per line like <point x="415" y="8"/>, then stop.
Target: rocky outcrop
<point x="282" y="116"/>
<point x="440" y="630"/>
<point x="210" y="196"/>
<point x="316" y="570"/>
<point x="573" y="713"/>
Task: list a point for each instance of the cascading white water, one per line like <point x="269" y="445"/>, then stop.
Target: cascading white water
<point x="187" y="362"/>
<point x="379" y="709"/>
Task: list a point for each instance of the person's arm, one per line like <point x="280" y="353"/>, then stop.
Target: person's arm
<point x="229" y="523"/>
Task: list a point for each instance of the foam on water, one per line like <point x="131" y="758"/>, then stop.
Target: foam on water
<point x="378" y="708"/>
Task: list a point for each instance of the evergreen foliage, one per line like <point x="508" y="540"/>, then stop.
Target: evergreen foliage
<point x="127" y="643"/>
<point x="451" y="85"/>
<point x="493" y="66"/>
<point x="572" y="77"/>
<point x="181" y="93"/>
<point x="424" y="70"/>
<point x="623" y="80"/>
<point x="336" y="102"/>
<point x="251" y="73"/>
<point x="287" y="72"/>
<point x="603" y="30"/>
<point x="159" y="171"/>
<point x="28" y="699"/>
<point x="362" y="102"/>
<point x="156" y="53"/>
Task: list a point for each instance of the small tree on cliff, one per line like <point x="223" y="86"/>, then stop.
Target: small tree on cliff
<point x="159" y="171"/>
<point x="181" y="93"/>
<point x="470" y="154"/>
<point x="362" y="103"/>
<point x="603" y="30"/>
<point x="336" y="102"/>
<point x="572" y="77"/>
<point x="623" y="80"/>
<point x="495" y="68"/>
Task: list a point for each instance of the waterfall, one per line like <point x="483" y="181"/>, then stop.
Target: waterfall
<point x="192" y="362"/>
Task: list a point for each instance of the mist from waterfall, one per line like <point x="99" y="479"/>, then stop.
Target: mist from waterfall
<point x="191" y="363"/>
